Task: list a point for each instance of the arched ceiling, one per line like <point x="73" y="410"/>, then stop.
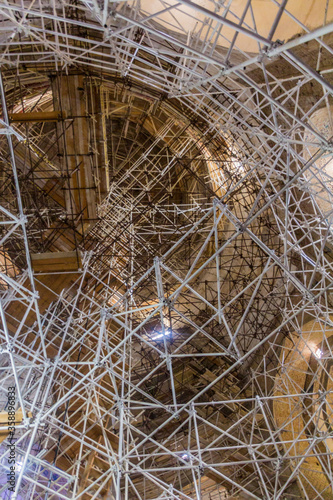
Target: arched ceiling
<point x="268" y="19"/>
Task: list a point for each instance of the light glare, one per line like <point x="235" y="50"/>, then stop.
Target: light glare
<point x="160" y="335"/>
<point x="318" y="354"/>
<point x="18" y="465"/>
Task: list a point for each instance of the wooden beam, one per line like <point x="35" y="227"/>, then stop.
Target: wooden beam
<point x="38" y="116"/>
<point x="87" y="469"/>
<point x="56" y="261"/>
<point x="4" y="422"/>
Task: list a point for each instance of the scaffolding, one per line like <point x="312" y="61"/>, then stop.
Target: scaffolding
<point x="166" y="251"/>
